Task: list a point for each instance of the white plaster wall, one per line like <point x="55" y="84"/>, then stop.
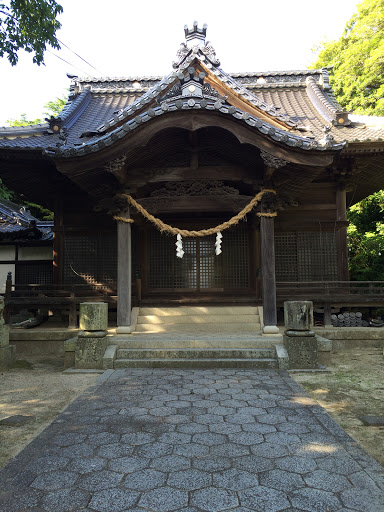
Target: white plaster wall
<point x="35" y="253"/>
<point x="7" y="252"/>
<point x="4" y="269"/>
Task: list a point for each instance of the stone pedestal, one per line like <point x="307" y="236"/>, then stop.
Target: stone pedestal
<point x="93" y="316"/>
<point x="92" y="342"/>
<point x="90" y="349"/>
<point x="299" y="339"/>
<point x="7" y="351"/>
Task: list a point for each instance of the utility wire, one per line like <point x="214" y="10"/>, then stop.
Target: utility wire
<point x="79" y="56"/>
<point x="61" y="58"/>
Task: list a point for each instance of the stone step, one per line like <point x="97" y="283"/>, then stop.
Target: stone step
<point x="199" y="310"/>
<point x="198" y="319"/>
<point x="161" y="341"/>
<point x="187" y="353"/>
<point x="195" y="363"/>
<point x="214" y="328"/>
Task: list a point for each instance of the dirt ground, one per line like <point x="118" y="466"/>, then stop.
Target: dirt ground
<point x="38" y="388"/>
<point x="354" y="387"/>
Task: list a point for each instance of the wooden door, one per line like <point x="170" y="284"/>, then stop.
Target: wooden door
<point x="200" y="270"/>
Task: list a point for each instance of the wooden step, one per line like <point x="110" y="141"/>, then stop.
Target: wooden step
<point x="198" y="319"/>
<point x="199" y="310"/>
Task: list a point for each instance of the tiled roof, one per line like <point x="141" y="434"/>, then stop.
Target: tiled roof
<point x="294" y="108"/>
<point x="17" y="223"/>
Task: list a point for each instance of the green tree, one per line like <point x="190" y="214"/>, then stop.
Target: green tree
<point x="30" y="25"/>
<point x="366" y="238"/>
<point x="53" y="108"/>
<point x="357" y="60"/>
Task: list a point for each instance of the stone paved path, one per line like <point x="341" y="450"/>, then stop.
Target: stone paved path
<point x="193" y="441"/>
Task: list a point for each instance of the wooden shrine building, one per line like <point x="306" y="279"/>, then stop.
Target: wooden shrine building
<point x="193" y="149"/>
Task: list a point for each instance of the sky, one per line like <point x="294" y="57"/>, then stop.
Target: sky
<point x="137" y="38"/>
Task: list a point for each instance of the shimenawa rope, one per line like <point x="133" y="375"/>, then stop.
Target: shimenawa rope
<point x="162" y="226"/>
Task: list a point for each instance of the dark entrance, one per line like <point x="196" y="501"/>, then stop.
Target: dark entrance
<point x="200" y="270"/>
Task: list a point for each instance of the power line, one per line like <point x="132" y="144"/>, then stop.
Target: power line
<point x="61" y="58"/>
<point x="79" y="56"/>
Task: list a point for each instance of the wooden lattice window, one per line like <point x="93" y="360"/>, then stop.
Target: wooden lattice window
<point x="286" y="257"/>
<point x="200" y="268"/>
<point x="30" y="272"/>
<point x="308" y="256"/>
<point x="90" y="259"/>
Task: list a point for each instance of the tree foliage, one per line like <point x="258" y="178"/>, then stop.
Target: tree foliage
<point x="357" y="75"/>
<point x="52" y="108"/>
<point x="366" y="238"/>
<point x="30" y="25"/>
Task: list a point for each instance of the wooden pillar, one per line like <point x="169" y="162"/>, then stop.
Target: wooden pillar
<point x="124" y="275"/>
<point x="58" y="244"/>
<point x="341" y="236"/>
<point x="267" y="242"/>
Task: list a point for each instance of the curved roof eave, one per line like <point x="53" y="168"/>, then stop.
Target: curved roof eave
<point x="192" y="104"/>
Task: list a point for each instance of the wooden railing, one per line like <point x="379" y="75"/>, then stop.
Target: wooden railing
<point x="350" y="292"/>
<point x="65" y="298"/>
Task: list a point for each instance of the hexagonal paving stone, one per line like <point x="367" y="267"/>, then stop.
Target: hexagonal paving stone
<point x="212" y="463"/>
<point x="209" y="439"/>
<point x="64" y="500"/>
<point x="189" y="479"/>
<point x="212" y="499"/>
<point x="128" y="464"/>
<point x="343" y="465"/>
<point x="253" y="463"/>
<point x="174" y="438"/>
<point x="113" y="500"/>
<point x="144" y="480"/>
<point x="153" y="450"/>
<point x="190" y="450"/>
<point x="77" y="450"/>
<point x="48" y="463"/>
<point x="191" y="428"/>
<point x="272" y="419"/>
<point x="282" y="438"/>
<point x="314" y="500"/>
<point x="363" y="499"/>
<point x="241" y="418"/>
<point x="296" y="464"/>
<point x="269" y="450"/>
<point x="263" y="499"/>
<point x="246" y="438"/>
<point x="54" y="480"/>
<point x="225" y="428"/>
<point x="87" y="465"/>
<point x="327" y="481"/>
<point x="229" y="450"/>
<point x="69" y="439"/>
<point x="111" y="451"/>
<point x="103" y="438"/>
<point x="207" y="419"/>
<point x="234" y="479"/>
<point x="164" y="499"/>
<point x="138" y="438"/>
<point x="171" y="463"/>
<point x="100" y="480"/>
<point x="259" y="428"/>
<point x="281" y="480"/>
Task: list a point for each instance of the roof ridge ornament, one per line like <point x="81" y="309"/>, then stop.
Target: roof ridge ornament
<point x="196" y="35"/>
<point x="195" y="44"/>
